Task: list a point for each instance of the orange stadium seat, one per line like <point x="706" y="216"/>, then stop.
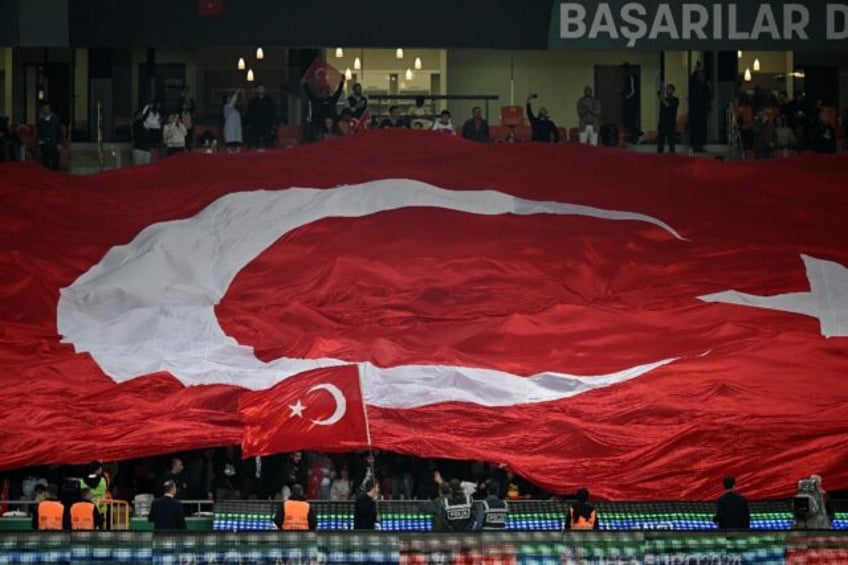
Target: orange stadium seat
<point x="512" y="116"/>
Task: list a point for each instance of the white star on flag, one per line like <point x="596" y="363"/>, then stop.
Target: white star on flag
<point x="297" y="409"/>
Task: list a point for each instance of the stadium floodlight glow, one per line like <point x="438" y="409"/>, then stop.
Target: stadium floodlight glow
<point x="339" y="52"/>
<point x="756" y="65"/>
<point x="241" y="64"/>
<point x="418" y="64"/>
<point x="399" y="53"/>
<point x="260" y="54"/>
<point x="747" y="75"/>
<point x="357" y="64"/>
<point x="250" y="77"/>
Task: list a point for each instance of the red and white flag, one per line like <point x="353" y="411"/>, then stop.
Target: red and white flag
<point x="642" y="325"/>
<point x="321" y="76"/>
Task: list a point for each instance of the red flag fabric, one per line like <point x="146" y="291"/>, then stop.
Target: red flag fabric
<point x="322" y="76"/>
<point x="210" y="8"/>
<point x="640" y="324"/>
<point x="320" y="409"/>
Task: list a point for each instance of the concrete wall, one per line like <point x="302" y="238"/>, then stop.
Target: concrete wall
<point x="557" y="76"/>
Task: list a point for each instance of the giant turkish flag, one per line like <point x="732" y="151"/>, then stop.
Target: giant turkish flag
<point x="640" y="324"/>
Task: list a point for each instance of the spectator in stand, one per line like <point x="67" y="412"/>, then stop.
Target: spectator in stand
<point x="444" y="124"/>
<point x="799" y="117"/>
<point x="140" y="142"/>
<point x="185" y="110"/>
<point x="630" y="98"/>
<point x="420" y="115"/>
<point x="667" y="127"/>
<point x="175" y="475"/>
<point x="347" y="124"/>
<point x="357" y="103"/>
<point x="329" y="131"/>
<point x="700" y="98"/>
<point x="365" y="508"/>
<point x="50" y="137"/>
<point x="174" y="135"/>
<point x="152" y="119"/>
<point x="228" y="473"/>
<point x="784" y="139"/>
<point x="322" y="105"/>
<point x="294" y="472"/>
<point x="261" y="117"/>
<point x="166" y="512"/>
<point x="763" y="136"/>
<point x="589" y="114"/>
<point x="542" y="126"/>
<point x="732" y="511"/>
<point x="341" y="488"/>
<point x="232" y="122"/>
<point x="581" y="514"/>
<point x="394" y="119"/>
<point x="822" y="134"/>
<point x="476" y="128"/>
<point x="4" y="138"/>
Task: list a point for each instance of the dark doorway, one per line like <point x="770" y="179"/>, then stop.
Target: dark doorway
<point x="609" y="86"/>
<point x="49" y="83"/>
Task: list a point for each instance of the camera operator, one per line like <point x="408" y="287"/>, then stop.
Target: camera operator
<point x="811" y="506"/>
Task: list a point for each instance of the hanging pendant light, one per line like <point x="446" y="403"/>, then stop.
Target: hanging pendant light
<point x="339" y="52"/>
<point x="739" y="54"/>
<point x="747" y="75"/>
<point x="348" y="74"/>
<point x="241" y="65"/>
<point x="250" y="77"/>
<point x="756" y="65"/>
<point x="357" y="64"/>
<point x="418" y="64"/>
<point x="408" y="74"/>
<point x="260" y="54"/>
<point x="399" y="53"/>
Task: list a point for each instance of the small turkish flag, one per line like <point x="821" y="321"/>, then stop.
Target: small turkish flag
<point x="210" y="8"/>
<point x="317" y="409"/>
<point x="322" y="76"/>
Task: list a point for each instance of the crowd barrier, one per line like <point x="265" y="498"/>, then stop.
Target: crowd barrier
<point x="489" y="548"/>
<point x="524" y="515"/>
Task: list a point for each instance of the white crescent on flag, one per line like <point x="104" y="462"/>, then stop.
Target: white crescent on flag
<point x="149" y="306"/>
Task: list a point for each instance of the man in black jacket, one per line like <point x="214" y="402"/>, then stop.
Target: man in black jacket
<point x="542" y="126"/>
<point x="49" y="137"/>
<point x="321" y="105"/>
<point x="166" y="513"/>
<point x="732" y="509"/>
<point x="261" y="117"/>
<point x="365" y="507"/>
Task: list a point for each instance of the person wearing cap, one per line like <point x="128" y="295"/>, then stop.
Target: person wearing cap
<point x="491" y="512"/>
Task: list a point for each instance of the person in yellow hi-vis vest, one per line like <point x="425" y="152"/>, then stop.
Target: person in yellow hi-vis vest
<point x="85" y="515"/>
<point x="98" y="483"/>
<point x="49" y="514"/>
<point x="295" y="513"/>
<point x="581" y="514"/>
